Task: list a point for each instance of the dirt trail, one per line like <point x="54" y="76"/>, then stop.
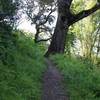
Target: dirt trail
<point x="52" y="89"/>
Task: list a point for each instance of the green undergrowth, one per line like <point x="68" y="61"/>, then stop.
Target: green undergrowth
<point x="81" y="81"/>
<point x="21" y="68"/>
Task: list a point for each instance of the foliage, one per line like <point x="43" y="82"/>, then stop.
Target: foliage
<point x="80" y="81"/>
<point x="70" y="41"/>
<point x="41" y="15"/>
<point x="21" y="67"/>
<point x="86" y="31"/>
<point x="8" y="10"/>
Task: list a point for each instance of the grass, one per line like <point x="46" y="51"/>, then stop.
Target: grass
<point x="80" y="81"/>
<point x="21" y="68"/>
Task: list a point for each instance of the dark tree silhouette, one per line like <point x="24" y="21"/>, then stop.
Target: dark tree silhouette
<point x="66" y="19"/>
<point x="40" y="14"/>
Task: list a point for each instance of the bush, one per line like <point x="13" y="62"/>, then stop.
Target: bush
<point x="80" y="81"/>
<point x="21" y="67"/>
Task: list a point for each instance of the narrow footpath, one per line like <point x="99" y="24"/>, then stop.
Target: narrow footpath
<point x="52" y="84"/>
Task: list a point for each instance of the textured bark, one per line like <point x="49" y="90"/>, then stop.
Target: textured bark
<point x="59" y="37"/>
<point x="65" y="19"/>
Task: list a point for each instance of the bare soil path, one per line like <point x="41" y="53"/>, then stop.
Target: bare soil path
<point x="52" y="84"/>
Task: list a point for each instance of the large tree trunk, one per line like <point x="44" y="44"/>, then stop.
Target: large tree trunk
<point x="59" y="37"/>
<point x="65" y="19"/>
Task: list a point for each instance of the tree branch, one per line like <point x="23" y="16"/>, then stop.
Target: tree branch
<point x="83" y="14"/>
<point x="46" y="19"/>
<point x="43" y="40"/>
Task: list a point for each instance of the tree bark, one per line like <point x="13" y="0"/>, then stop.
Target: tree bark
<point x="65" y="19"/>
<point x="59" y="37"/>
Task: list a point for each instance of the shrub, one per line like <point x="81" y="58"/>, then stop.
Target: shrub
<point x="21" y="69"/>
<point x="80" y="81"/>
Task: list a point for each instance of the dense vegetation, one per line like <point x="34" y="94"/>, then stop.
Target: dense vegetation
<point x="21" y="67"/>
<point x="21" y="59"/>
<point x="81" y="80"/>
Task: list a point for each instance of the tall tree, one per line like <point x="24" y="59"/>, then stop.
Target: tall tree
<point x="39" y="12"/>
<point x="65" y="19"/>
